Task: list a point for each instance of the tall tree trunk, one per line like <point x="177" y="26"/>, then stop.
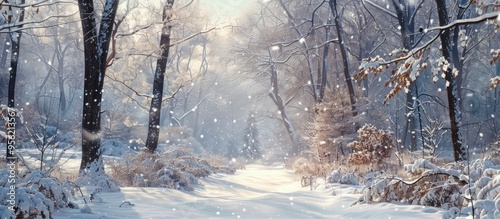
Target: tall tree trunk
<point x="278" y="101"/>
<point x="60" y="74"/>
<point x="161" y="64"/>
<point x="345" y="58"/>
<point x="60" y="78"/>
<point x="404" y="11"/>
<point x="15" y="38"/>
<point x="95" y="44"/>
<point x="324" y="72"/>
<point x="459" y="151"/>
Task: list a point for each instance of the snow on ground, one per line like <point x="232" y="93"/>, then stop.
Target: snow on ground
<point x="256" y="192"/>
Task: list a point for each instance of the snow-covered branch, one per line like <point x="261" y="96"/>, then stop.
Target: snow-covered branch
<point x="390" y="13"/>
<point x="18" y="26"/>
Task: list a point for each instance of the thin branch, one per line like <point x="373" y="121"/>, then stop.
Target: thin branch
<point x="36" y="4"/>
<point x="173" y="95"/>
<point x="193" y="108"/>
<point x="186" y="5"/>
<point x="484" y="17"/>
<point x="196" y="34"/>
<point x="130" y="88"/>
<point x="12" y="27"/>
<point x="412" y="17"/>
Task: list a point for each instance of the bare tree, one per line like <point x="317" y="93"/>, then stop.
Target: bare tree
<point x="96" y="42"/>
<point x="156" y="101"/>
<point x="343" y="52"/>
<point x="414" y="61"/>
<point x="275" y="96"/>
<point x="317" y="83"/>
<point x="15" y="39"/>
<point x="406" y="12"/>
<point x="459" y="151"/>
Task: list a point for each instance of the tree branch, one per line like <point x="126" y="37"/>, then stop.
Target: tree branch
<point x="390" y="13"/>
<point x="196" y="34"/>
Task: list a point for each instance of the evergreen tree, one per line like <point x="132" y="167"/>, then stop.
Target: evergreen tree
<point x="332" y="126"/>
<point x="251" y="147"/>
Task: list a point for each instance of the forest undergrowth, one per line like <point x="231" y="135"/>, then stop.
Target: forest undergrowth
<point x="465" y="188"/>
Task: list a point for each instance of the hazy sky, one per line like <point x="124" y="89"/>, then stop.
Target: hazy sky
<point x="227" y="9"/>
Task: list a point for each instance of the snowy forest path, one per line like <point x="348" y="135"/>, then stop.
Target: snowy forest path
<point x="258" y="191"/>
<point x="261" y="191"/>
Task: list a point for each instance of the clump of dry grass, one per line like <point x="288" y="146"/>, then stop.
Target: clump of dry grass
<point x="63" y="176"/>
<point x="176" y="168"/>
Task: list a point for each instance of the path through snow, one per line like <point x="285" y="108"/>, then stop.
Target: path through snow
<point x="256" y="192"/>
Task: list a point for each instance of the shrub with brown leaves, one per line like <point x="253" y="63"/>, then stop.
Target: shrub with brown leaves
<point x="373" y="147"/>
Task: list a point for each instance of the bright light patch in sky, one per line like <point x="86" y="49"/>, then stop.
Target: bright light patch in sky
<point x="231" y="9"/>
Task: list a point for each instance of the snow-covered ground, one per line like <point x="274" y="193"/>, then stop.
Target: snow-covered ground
<point x="258" y="191"/>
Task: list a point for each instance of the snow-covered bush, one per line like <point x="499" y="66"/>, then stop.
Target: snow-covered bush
<point x="475" y="184"/>
<point x="334" y="177"/>
<point x="484" y="189"/>
<point x="29" y="203"/>
<point x="115" y="148"/>
<point x="51" y="188"/>
<point x="36" y="195"/>
<point x="434" y="187"/>
<point x="176" y="167"/>
<point x="452" y="213"/>
<point x="105" y="183"/>
<point x="374" y="146"/>
<point x="347" y="178"/>
<point x="173" y="178"/>
<point x="5" y="212"/>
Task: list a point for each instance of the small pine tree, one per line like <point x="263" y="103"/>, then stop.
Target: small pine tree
<point x="332" y="126"/>
<point x="251" y="147"/>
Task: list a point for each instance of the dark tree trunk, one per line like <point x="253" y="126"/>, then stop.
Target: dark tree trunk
<point x="278" y="101"/>
<point x="161" y="64"/>
<point x="15" y="38"/>
<point x="459" y="151"/>
<point x="96" y="44"/>
<point x="345" y="58"/>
